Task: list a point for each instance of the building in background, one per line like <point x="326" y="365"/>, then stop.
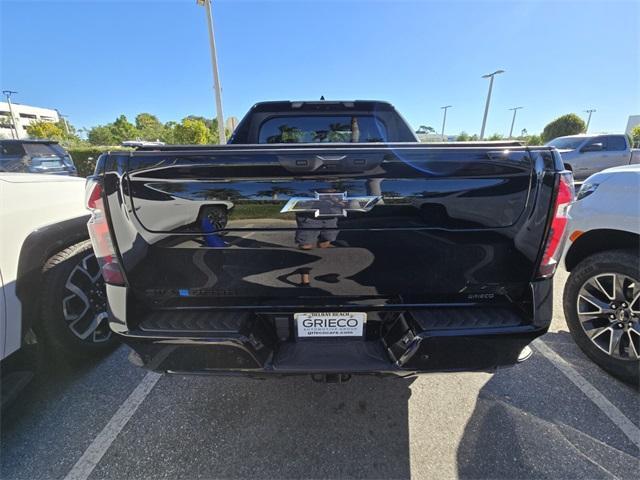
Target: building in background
<point x="634" y="121"/>
<point x="24" y="116"/>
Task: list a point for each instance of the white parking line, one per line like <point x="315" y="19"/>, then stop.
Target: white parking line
<point x="608" y="408"/>
<point x="94" y="453"/>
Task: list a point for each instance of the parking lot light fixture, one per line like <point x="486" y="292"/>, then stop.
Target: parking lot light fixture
<point x="444" y="119"/>
<point x="513" y="120"/>
<point x="8" y="93"/>
<point x="590" y="111"/>
<point x="214" y="65"/>
<point x="486" y="107"/>
<point x="64" y="121"/>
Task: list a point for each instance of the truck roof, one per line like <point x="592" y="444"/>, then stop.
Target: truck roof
<point x="587" y="135"/>
<point x="315" y="105"/>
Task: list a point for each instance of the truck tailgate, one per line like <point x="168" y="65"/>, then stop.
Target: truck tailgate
<point x="273" y="226"/>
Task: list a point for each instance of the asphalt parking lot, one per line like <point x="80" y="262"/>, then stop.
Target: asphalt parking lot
<point x="554" y="416"/>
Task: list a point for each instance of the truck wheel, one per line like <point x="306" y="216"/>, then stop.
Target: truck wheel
<point x="73" y="303"/>
<point x="602" y="308"/>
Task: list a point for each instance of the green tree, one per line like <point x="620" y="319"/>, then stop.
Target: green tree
<point x="191" y="131"/>
<point x="273" y="192"/>
<point x="46" y="130"/>
<point x="570" y="124"/>
<point x="212" y="125"/>
<point x="496" y="136"/>
<point x="463" y="137"/>
<point x="113" y="133"/>
<point x="339" y="132"/>
<point x="534" y="140"/>
<point x="101" y="135"/>
<point x="124" y="130"/>
<point x="149" y="127"/>
<point x="287" y="135"/>
<point x="169" y="132"/>
<point x="59" y="131"/>
<point x="425" y="129"/>
<point x="635" y="135"/>
<point x="215" y="137"/>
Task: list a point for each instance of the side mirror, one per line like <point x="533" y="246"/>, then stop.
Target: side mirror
<point x="593" y="147"/>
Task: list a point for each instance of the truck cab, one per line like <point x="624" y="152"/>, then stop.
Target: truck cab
<point x="585" y="155"/>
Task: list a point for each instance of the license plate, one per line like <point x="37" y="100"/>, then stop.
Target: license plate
<point x="50" y="163"/>
<point x="330" y="324"/>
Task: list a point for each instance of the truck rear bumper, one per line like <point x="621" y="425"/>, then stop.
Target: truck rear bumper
<point x="398" y="339"/>
<point x="453" y="352"/>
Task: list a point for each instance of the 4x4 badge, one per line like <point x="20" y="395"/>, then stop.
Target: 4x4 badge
<point x="330" y="204"/>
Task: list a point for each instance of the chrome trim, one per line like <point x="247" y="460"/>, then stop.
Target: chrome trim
<point x="330" y="204"/>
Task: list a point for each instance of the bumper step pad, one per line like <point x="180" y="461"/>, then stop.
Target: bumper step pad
<point x="193" y="321"/>
<point x="332" y="356"/>
<point x="465" y="318"/>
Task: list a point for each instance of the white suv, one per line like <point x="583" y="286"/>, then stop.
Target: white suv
<point x="602" y="295"/>
<point x="52" y="292"/>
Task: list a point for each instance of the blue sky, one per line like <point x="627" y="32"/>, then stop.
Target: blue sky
<point x="95" y="59"/>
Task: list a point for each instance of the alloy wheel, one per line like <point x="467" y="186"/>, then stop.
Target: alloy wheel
<point x="608" y="307"/>
<point x="85" y="304"/>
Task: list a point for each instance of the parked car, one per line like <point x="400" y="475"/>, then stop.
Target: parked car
<point x="602" y="295"/>
<point x="52" y="294"/>
<point x="35" y="156"/>
<point x="350" y="248"/>
<point x="585" y="155"/>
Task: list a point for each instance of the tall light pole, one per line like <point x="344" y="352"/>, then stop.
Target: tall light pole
<point x="486" y="107"/>
<point x="64" y="121"/>
<point x="8" y="94"/>
<point x="590" y="111"/>
<point x="214" y="65"/>
<point x="444" y="118"/>
<point x="513" y="121"/>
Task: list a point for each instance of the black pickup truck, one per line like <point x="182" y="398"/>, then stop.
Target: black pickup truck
<point x="325" y="240"/>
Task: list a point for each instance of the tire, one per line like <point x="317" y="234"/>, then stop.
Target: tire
<point x="614" y="348"/>
<point x="73" y="314"/>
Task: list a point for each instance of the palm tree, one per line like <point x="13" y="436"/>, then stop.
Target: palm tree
<point x="425" y="129"/>
<point x="339" y="132"/>
<point x="287" y="135"/>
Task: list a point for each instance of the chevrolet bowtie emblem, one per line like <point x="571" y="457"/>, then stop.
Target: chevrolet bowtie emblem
<point x="330" y="204"/>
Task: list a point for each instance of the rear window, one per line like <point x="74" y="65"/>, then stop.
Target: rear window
<point x="323" y="129"/>
<point x="568" y="143"/>
<point x="44" y="150"/>
<point x="616" y="143"/>
<point x="12" y="149"/>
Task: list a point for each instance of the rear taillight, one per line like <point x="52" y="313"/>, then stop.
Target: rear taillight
<point x="557" y="230"/>
<point x="100" y="235"/>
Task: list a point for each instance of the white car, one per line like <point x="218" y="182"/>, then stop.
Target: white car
<point x="602" y="294"/>
<point x="52" y="293"/>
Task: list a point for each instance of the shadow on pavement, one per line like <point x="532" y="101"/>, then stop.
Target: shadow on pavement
<point x="278" y="428"/>
<point x="530" y="421"/>
<point x="54" y="375"/>
<point x="60" y="412"/>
